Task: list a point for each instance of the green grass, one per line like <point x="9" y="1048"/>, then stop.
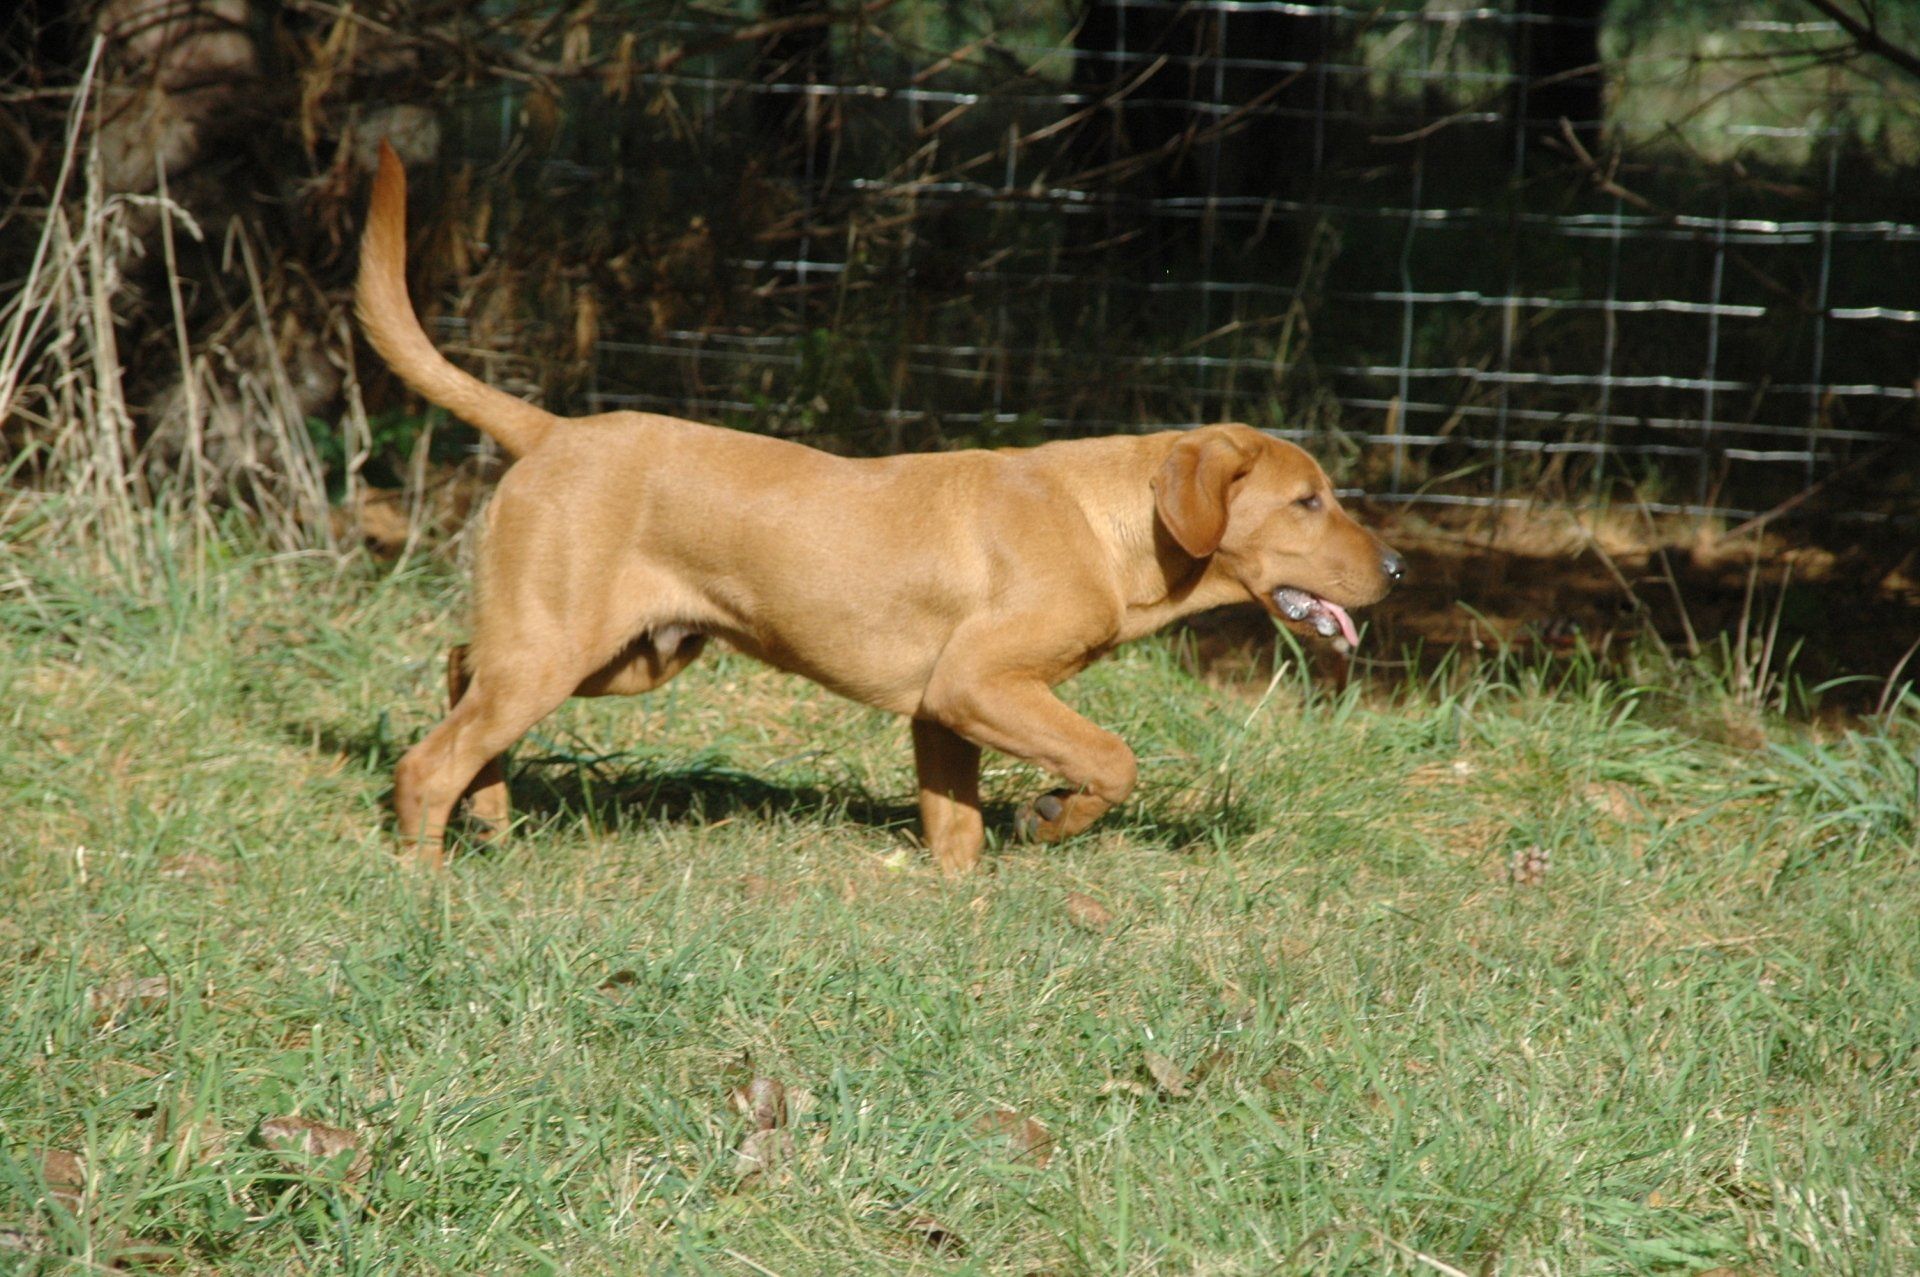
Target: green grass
<point x="1691" y="1047"/>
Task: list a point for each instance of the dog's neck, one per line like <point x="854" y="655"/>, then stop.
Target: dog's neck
<point x="1161" y="582"/>
<point x="1158" y="581"/>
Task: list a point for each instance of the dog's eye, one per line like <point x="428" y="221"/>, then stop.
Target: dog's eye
<point x="1309" y="502"/>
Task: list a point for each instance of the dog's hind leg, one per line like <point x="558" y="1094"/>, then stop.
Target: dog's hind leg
<point x="486" y="796"/>
<point x="641" y="666"/>
<point x="501" y="700"/>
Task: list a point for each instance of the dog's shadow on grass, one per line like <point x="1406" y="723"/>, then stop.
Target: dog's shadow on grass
<point x="550" y="784"/>
<point x="554" y="783"/>
<point x="613" y="792"/>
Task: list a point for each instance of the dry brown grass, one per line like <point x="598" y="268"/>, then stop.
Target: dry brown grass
<point x="87" y="471"/>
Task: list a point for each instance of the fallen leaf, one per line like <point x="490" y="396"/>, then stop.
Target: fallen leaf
<point x="763" y="1102"/>
<point x="762" y="1151"/>
<point x="304" y="1140"/>
<point x="619" y="980"/>
<point x="1167" y="1075"/>
<point x="1028" y="1140"/>
<point x="66" y="1176"/>
<point x="1124" y="1086"/>
<point x="1086" y="913"/>
<point x="935" y="1234"/>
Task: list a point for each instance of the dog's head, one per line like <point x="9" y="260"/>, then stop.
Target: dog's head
<point x="1265" y="513"/>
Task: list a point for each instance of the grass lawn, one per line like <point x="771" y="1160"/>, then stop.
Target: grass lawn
<point x="1289" y="1011"/>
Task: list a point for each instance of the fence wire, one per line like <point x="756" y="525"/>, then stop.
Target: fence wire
<point x="1474" y="254"/>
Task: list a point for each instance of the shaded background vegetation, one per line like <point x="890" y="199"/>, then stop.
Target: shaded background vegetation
<point x="1623" y="255"/>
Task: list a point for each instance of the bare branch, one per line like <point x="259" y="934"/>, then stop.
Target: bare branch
<point x="1867" y="38"/>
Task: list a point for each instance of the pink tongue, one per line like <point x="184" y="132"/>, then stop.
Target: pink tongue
<point x="1346" y="622"/>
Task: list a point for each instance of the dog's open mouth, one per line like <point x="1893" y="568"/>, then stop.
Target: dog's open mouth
<point x="1325" y="617"/>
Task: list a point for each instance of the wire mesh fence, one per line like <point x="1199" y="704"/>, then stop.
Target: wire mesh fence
<point x="1473" y="254"/>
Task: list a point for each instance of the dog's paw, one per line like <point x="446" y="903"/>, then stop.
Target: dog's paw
<point x="1045" y="818"/>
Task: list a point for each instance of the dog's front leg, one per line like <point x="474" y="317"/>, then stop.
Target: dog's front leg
<point x="949" y="769"/>
<point x="1020" y="715"/>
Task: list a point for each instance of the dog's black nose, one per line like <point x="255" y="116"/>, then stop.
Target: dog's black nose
<point x="1394" y="566"/>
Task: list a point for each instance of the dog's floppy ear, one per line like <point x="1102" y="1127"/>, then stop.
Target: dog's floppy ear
<point x="1191" y="490"/>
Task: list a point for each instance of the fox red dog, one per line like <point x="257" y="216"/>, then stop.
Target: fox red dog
<point x="955" y="589"/>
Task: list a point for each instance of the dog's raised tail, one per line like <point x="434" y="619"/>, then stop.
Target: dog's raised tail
<point x="387" y="317"/>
